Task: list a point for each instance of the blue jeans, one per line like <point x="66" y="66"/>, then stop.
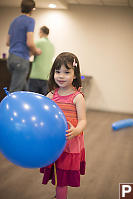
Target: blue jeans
<point x="19" y="69"/>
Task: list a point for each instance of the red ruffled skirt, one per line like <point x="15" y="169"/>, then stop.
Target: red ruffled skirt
<point x="69" y="166"/>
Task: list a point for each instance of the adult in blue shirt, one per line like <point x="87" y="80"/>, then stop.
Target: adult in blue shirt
<point x="21" y="43"/>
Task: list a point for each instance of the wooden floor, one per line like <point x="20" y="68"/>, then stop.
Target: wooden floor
<point x="109" y="156"/>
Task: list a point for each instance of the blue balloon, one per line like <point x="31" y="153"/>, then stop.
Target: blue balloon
<point x="32" y="129"/>
<point x="122" y="124"/>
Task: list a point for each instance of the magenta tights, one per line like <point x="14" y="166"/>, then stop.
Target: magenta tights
<point x="61" y="192"/>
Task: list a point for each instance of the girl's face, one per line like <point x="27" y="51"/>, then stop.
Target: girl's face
<point x="64" y="77"/>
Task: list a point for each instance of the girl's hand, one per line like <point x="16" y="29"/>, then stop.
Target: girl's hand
<point x="72" y="132"/>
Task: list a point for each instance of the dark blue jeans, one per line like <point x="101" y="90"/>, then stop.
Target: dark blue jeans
<point x="19" y="69"/>
<point x="38" y="86"/>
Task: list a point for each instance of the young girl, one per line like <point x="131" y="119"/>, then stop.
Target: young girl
<point x="64" y="85"/>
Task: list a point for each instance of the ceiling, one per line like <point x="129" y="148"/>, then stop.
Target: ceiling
<point x="64" y="4"/>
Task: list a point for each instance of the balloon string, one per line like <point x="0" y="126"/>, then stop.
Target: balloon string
<point x="55" y="174"/>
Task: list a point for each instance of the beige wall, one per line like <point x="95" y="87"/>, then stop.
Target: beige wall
<point x="102" y="38"/>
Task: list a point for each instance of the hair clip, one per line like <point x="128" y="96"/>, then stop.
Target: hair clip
<point x="74" y="63"/>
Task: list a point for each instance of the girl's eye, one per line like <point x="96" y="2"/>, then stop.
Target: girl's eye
<point x="57" y="71"/>
<point x="67" y="72"/>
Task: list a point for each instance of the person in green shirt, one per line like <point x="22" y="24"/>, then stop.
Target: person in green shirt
<point x="41" y="66"/>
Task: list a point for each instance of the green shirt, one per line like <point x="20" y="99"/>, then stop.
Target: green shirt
<point x="42" y="64"/>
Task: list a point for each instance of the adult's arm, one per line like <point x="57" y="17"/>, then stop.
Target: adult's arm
<point x="8" y="40"/>
<point x="30" y="43"/>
